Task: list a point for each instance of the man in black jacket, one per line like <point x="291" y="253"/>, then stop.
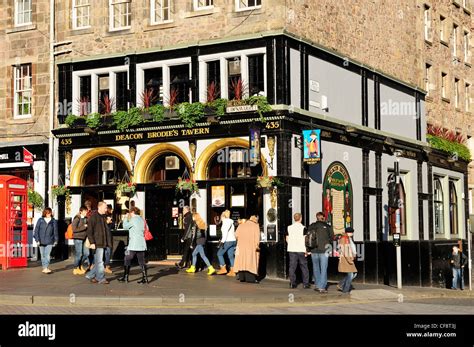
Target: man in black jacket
<point x="187" y="238"/>
<point x="79" y="229"/>
<point x="99" y="239"/>
<point x="320" y="251"/>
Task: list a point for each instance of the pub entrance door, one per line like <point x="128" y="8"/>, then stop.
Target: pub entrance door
<point x="164" y="216"/>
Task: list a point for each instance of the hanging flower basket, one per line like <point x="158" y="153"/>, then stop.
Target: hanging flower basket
<point x="187" y="184"/>
<point x="60" y="190"/>
<point x="125" y="188"/>
<point x="268" y="182"/>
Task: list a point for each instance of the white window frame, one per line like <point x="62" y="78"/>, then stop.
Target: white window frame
<point x="223" y="57"/>
<point x="75" y="7"/>
<point x="467" y="97"/>
<point x="112" y="4"/>
<point x="427" y="23"/>
<point x="198" y="6"/>
<point x="153" y="4"/>
<point x="94" y="73"/>
<point x="456" y="92"/>
<point x="165" y="65"/>
<point x="455" y="39"/>
<point x="239" y="6"/>
<point x="466" y="46"/>
<point x="23" y="11"/>
<point x="17" y="70"/>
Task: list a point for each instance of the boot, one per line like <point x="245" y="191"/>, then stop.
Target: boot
<point x="231" y="272"/>
<point x="77" y="271"/>
<point x="222" y="271"/>
<point x="144" y="279"/>
<point x="108" y="270"/>
<point x="192" y="269"/>
<point x="126" y="272"/>
<point x="83" y="269"/>
<point x="211" y="270"/>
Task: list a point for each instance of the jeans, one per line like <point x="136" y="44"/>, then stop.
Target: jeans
<point x="295" y="259"/>
<point x="346" y="282"/>
<point x="229" y="248"/>
<point x="200" y="249"/>
<point x="98" y="271"/>
<point x="108" y="254"/>
<point x="45" y="252"/>
<point x="81" y="253"/>
<point x="457" y="277"/>
<point x="320" y="269"/>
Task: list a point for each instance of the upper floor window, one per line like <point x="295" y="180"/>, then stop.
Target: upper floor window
<point x="467" y="97"/>
<point x="456" y="93"/>
<point x="23" y="91"/>
<point x="455" y="40"/>
<point x="427" y="77"/>
<point x="23" y="10"/>
<point x="442" y="28"/>
<point x="160" y="11"/>
<point x="444" y="85"/>
<point x="467" y="51"/>
<point x="120" y="14"/>
<point x="81" y="14"/>
<point x="427" y="19"/>
<point x="242" y="5"/>
<point x="203" y="4"/>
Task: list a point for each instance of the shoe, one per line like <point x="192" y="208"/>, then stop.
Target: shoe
<point x="104" y="281"/>
<point x="307" y="286"/>
<point x="231" y="272"/>
<point x="339" y="288"/>
<point x="126" y="272"/>
<point x="83" y="269"/>
<point x="177" y="265"/>
<point x="47" y="271"/>
<point x="211" y="270"/>
<point x="222" y="271"/>
<point x="77" y="271"/>
<point x="192" y="269"/>
<point x="94" y="280"/>
<point x="323" y="291"/>
<point x="144" y="279"/>
<point x="108" y="270"/>
<point x="293" y="286"/>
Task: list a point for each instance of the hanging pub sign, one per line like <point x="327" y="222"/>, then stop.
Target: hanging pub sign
<point x="254" y="146"/>
<point x="312" y="146"/>
<point x="337" y="197"/>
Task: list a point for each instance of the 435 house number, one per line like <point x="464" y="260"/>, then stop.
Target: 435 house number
<point x="272" y="125"/>
<point x="66" y="142"/>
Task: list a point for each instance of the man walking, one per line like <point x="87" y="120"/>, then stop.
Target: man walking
<point x="99" y="240"/>
<point x="458" y="260"/>
<point x="323" y="234"/>
<point x="187" y="238"/>
<point x="297" y="251"/>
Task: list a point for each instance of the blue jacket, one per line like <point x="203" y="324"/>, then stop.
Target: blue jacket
<point x="136" y="227"/>
<point x="46" y="233"/>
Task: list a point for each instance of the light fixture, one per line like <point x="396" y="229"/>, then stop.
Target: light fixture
<point x="389" y="141"/>
<point x="350" y="129"/>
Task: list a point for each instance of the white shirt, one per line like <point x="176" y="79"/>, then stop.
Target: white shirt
<point x="47" y="219"/>
<point x="296" y="238"/>
<point x="228" y="230"/>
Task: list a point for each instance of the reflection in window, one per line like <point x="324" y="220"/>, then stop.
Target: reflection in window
<point x="166" y="167"/>
<point x="154" y="85"/>
<point x="232" y="162"/>
<point x="453" y="208"/>
<point x="256" y="75"/>
<point x="104" y="170"/>
<point x="213" y="80"/>
<point x="401" y="210"/>
<point x="438" y="207"/>
<point x="179" y="84"/>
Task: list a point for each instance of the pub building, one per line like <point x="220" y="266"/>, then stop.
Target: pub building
<point x="330" y="139"/>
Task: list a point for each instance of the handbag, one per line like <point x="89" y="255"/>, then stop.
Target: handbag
<point x="148" y="235"/>
<point x="221" y="244"/>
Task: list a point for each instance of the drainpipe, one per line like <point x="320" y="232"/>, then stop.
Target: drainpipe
<point x="52" y="162"/>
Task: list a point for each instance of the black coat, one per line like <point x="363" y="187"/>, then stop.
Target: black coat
<point x="79" y="228"/>
<point x="324" y="236"/>
<point x="97" y="231"/>
<point x="188" y="223"/>
<point x="458" y="260"/>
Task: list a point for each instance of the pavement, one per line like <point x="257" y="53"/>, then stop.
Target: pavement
<point x="170" y="287"/>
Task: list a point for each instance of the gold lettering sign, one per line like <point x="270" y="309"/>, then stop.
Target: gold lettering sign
<point x="191" y="132"/>
<point x="165" y="133"/>
<point x="126" y="137"/>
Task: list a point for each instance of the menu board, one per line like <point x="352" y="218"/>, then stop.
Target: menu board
<point x="218" y="196"/>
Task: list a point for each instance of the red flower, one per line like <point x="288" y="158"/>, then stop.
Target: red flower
<point x="187" y="179"/>
<point x="129" y="184"/>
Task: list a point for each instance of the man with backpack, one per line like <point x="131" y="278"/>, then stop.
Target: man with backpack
<point x="319" y="236"/>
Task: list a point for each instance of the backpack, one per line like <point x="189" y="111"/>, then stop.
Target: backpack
<point x="68" y="235"/>
<point x="311" y="239"/>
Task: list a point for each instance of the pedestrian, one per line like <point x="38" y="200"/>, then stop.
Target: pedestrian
<point x="88" y="205"/>
<point x="108" y="250"/>
<point x="347" y="257"/>
<point x="186" y="238"/>
<point x="247" y="252"/>
<point x="99" y="240"/>
<point x="79" y="229"/>
<point x="457" y="260"/>
<point x="227" y="243"/>
<point x="297" y="251"/>
<point x="323" y="235"/>
<point x="198" y="242"/>
<point x="46" y="235"/>
<point x="136" y="244"/>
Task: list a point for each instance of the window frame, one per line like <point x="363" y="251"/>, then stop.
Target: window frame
<point x="436" y="203"/>
<point x="455" y="40"/>
<point x="457" y="94"/>
<point x="18" y="69"/>
<point x="467" y="96"/>
<point x="428" y="77"/>
<point x="444" y="85"/>
<point x="75" y="17"/>
<point x="238" y="7"/>
<point x="197" y="7"/>
<point x="427" y="15"/>
<point x="112" y="4"/>
<point x="17" y="12"/>
<point x="153" y="20"/>
<point x="466" y="46"/>
<point x="442" y="29"/>
<point x="453" y="205"/>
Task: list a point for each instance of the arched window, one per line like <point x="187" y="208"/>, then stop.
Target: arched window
<point x="232" y="162"/>
<point x="453" y="208"/>
<point x="402" y="211"/>
<point x="104" y="170"/>
<point x="438" y="207"/>
<point x="167" y="167"/>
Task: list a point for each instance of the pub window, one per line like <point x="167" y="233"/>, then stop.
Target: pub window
<point x="84" y="101"/>
<point x="167" y="167"/>
<point x="234" y="79"/>
<point x="121" y="91"/>
<point x="232" y="162"/>
<point x="81" y="14"/>
<point x="160" y="11"/>
<point x="256" y="75"/>
<point x="438" y="207"/>
<point x="104" y="170"/>
<point x="453" y="208"/>
<point x="213" y="80"/>
<point x="203" y="4"/>
<point x="179" y="84"/>
<point x="23" y="10"/>
<point x="154" y="86"/>
<point x="242" y="5"/>
<point x="23" y="91"/>
<point x="120" y="14"/>
<point x="106" y="102"/>
<point x="402" y="210"/>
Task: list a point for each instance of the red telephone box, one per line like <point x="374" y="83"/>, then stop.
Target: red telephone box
<point x="13" y="217"/>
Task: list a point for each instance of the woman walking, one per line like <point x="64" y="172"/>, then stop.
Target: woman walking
<point x="79" y="229"/>
<point x="198" y="242"/>
<point x="136" y="244"/>
<point x="228" y="243"/>
<point x="247" y="250"/>
<point x="347" y="254"/>
<point x="46" y="235"/>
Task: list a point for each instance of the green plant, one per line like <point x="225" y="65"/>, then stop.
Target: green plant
<point x="187" y="184"/>
<point x="70" y="120"/>
<point x="127" y="187"/>
<point x="220" y="106"/>
<point x="60" y="191"/>
<point x="93" y="120"/>
<point x="190" y="113"/>
<point x="453" y="148"/>
<point x="35" y="199"/>
<point x="157" y="112"/>
<point x="124" y="120"/>
<point x="262" y="103"/>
